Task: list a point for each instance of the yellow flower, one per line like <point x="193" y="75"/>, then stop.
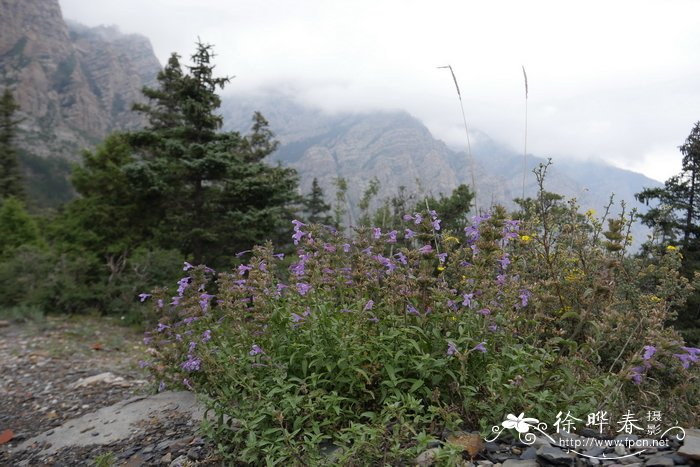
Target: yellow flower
<point x="450" y="238"/>
<point x="441" y="268"/>
<point x="671" y="248"/>
<point x="654" y="299"/>
<point x="525" y="238"/>
<point x="590" y="213"/>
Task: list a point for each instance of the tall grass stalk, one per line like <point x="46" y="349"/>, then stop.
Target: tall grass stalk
<point x="525" y="145"/>
<point x="466" y="131"/>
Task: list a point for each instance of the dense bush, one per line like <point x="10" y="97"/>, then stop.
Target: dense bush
<point x="378" y="343"/>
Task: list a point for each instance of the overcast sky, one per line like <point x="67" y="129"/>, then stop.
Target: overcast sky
<point x="613" y="80"/>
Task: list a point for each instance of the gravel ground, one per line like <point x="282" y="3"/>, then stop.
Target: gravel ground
<point x="41" y="365"/>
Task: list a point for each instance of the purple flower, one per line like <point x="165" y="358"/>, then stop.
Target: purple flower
<point x="206" y="335"/>
<point x="451" y="348"/>
<point x="407" y="217"/>
<point x="392" y="236"/>
<point x="493" y="328"/>
<point x="147" y="339"/>
<point x="186" y="383"/>
<point x="412" y="310"/>
<point x="345" y="310"/>
<point x="144" y="296"/>
<point x="329" y="247"/>
<point x="298" y="224"/>
<point x="636" y="374"/>
<point x="418" y="219"/>
<point x="192" y="346"/>
<point x="401" y="257"/>
<point x="374" y="319"/>
<point x="468" y="297"/>
<point x="425" y="249"/>
<point x="367" y="251"/>
<point x="346" y="247"/>
<point x="192" y="363"/>
<point x="255" y="350"/>
<point x="279" y="256"/>
<point x="484" y="312"/>
<point x="204" y="301"/>
<point x="376" y="233"/>
<point x="369" y="305"/>
<point x="187" y="267"/>
<point x="480" y="347"/>
<point x="242" y="253"/>
<point x="297" y="236"/>
<point x="442" y="257"/>
<point x="162" y="327"/>
<point x="410" y="233"/>
<point x="178" y="337"/>
<point x="436" y="224"/>
<point x="684" y="358"/>
<point x="649" y="351"/>
<point x="161" y="386"/>
<point x="303" y="288"/>
<point x="143" y="364"/>
<point x="297" y="318"/>
<point x="452" y="305"/>
<point x="504" y="261"/>
<point x="694" y="353"/>
<point x="262" y="266"/>
<point x="182" y="285"/>
<point x="524" y="298"/>
<point x="501" y="279"/>
<point x="160" y="303"/>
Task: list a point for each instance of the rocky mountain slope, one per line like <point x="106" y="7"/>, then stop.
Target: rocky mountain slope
<point x="400" y="151"/>
<point x="74" y="84"/>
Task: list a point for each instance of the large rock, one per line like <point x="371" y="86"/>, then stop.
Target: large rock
<point x="114" y="423"/>
<point x="691" y="445"/>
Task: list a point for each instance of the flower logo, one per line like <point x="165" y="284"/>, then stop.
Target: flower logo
<point x="520" y="423"/>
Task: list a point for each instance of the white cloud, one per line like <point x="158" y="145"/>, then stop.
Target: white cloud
<point x="613" y="80"/>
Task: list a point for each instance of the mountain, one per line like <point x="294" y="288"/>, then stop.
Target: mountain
<point x="74" y="84"/>
<point x="399" y="150"/>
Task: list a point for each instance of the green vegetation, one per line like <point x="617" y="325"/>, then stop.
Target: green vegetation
<point x="10" y="177"/>
<point x="675" y="220"/>
<point x="375" y="344"/>
<point x="368" y="344"/>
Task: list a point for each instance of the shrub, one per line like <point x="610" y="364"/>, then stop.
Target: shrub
<point x="377" y="344"/>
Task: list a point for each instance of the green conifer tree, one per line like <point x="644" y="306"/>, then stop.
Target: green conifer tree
<point x="675" y="216"/>
<point x="317" y="210"/>
<point x="10" y="176"/>
<point x="210" y="191"/>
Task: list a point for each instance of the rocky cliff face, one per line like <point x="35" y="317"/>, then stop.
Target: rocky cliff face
<point x="74" y="84"/>
<point x="399" y="150"/>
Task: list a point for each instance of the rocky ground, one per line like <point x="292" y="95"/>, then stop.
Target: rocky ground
<point x="72" y="394"/>
<point x="60" y="369"/>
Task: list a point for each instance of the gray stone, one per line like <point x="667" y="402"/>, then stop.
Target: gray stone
<point x="660" y="461"/>
<point x="520" y="463"/>
<point x="529" y="454"/>
<point x="555" y="455"/>
<point x="427" y="458"/>
<point x="180" y="461"/>
<point x="595" y="451"/>
<point x="620" y="450"/>
<point x="691" y="445"/>
<point x="125" y="416"/>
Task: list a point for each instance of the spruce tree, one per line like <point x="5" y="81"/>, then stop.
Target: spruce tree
<point x="317" y="210"/>
<point x="10" y="176"/>
<point x="210" y="192"/>
<point x="675" y="216"/>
